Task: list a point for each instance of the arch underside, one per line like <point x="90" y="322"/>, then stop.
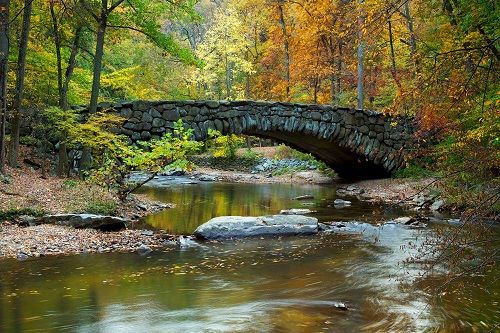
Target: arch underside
<point x="344" y="162"/>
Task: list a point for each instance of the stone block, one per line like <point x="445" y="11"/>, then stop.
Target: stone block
<point x="171" y="115"/>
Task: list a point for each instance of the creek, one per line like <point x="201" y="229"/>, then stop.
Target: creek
<point x="289" y="284"/>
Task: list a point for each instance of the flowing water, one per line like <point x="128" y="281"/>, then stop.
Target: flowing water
<point x="293" y="284"/>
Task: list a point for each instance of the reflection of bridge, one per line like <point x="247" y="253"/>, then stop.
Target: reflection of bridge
<point x="355" y="143"/>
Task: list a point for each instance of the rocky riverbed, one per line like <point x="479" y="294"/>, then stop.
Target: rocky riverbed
<point x="42" y="240"/>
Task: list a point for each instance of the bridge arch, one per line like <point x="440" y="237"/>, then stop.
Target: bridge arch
<point x="355" y="143"/>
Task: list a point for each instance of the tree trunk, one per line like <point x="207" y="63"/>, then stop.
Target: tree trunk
<point x="57" y="43"/>
<point x="86" y="159"/>
<point x="99" y="52"/>
<point x="393" y="57"/>
<point x="394" y="72"/>
<point x="315" y="89"/>
<point x="361" y="55"/>
<point x="63" y="165"/>
<point x="287" y="48"/>
<point x="20" y="74"/>
<point x="413" y="41"/>
<point x="4" y="57"/>
<point x="339" y="71"/>
<point x="69" y="70"/>
<point x="409" y="24"/>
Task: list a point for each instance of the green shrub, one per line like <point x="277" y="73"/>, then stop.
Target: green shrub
<point x="251" y="156"/>
<point x="414" y="171"/>
<point x="224" y="146"/>
<point x="69" y="184"/>
<point x="28" y="140"/>
<point x="283" y="152"/>
<point x="101" y="207"/>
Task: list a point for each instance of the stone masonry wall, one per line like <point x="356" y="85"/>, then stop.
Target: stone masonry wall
<point x="348" y="140"/>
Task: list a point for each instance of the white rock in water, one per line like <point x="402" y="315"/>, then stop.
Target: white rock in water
<point x="304" y="197"/>
<point x="295" y="211"/>
<point x="186" y="241"/>
<point x="248" y="226"/>
<point x="437" y="205"/>
<point x="341" y="203"/>
<point x="403" y="220"/>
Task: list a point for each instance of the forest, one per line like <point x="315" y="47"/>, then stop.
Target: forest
<point x="76" y="75"/>
<point x="434" y="60"/>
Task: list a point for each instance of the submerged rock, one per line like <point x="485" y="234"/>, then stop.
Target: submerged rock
<point x="84" y="221"/>
<point x="296" y="211"/>
<point x="248" y="226"/>
<point x="340" y="306"/>
<point x="144" y="249"/>
<point x="21" y="256"/>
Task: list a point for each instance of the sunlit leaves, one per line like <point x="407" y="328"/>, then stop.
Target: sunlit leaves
<point x="224" y="146"/>
<point x="225" y="55"/>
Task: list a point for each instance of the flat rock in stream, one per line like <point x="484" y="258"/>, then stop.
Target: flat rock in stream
<point x="248" y="226"/>
<point x="85" y="221"/>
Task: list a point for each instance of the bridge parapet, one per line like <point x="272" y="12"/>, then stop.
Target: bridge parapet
<point x="356" y="143"/>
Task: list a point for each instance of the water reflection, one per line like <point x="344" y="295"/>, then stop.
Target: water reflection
<point x="198" y="203"/>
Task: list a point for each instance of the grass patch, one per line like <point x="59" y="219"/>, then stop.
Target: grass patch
<point x="10" y="214"/>
<point x="101" y="207"/>
<point x="250" y="156"/>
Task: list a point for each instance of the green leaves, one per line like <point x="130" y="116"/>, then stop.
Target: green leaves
<point x="224" y="146"/>
<point x="115" y="159"/>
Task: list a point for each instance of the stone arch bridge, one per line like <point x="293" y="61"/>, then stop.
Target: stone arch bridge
<point x="355" y="143"/>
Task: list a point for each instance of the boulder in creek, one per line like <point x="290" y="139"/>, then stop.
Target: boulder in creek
<point x="85" y="221"/>
<point x="207" y="178"/>
<point x="224" y="227"/>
